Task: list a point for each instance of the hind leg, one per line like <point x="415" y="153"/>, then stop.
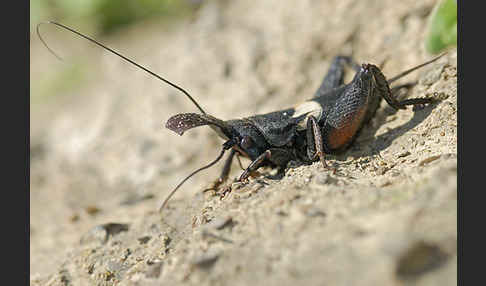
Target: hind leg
<point x="383" y="89"/>
<point x="335" y="74"/>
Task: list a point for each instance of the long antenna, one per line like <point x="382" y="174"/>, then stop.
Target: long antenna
<point x="192" y="174"/>
<point x="116" y="53"/>
<point x="415" y="68"/>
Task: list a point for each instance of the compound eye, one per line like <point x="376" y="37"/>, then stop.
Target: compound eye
<point x="246" y="142"/>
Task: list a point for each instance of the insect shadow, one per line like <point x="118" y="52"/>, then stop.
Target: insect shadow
<point x="383" y="141"/>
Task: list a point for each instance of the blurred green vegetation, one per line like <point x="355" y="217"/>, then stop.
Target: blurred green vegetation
<point x="93" y="17"/>
<point x="108" y="15"/>
<point x="442" y="28"/>
<point x="65" y="78"/>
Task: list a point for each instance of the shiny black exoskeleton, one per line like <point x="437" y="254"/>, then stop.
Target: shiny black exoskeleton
<point x="327" y="123"/>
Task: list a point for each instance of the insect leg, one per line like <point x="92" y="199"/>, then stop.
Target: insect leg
<point x="226" y="167"/>
<point x="255" y="164"/>
<point x="239" y="161"/>
<point x="383" y="89"/>
<point x="277" y="156"/>
<point x="335" y="74"/>
<point x="224" y="173"/>
<point x="314" y="141"/>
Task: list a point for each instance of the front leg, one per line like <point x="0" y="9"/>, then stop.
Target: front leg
<point x="224" y="173"/>
<point x="226" y="167"/>
<point x="257" y="163"/>
<point x="277" y="156"/>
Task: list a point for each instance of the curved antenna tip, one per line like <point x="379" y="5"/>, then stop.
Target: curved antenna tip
<point x="37" y="28"/>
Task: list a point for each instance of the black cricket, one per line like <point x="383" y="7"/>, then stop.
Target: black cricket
<point x="325" y="124"/>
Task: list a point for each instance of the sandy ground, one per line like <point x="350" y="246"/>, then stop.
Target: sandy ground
<point x="102" y="161"/>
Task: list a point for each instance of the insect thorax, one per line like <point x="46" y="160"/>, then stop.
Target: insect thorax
<point x="307" y="108"/>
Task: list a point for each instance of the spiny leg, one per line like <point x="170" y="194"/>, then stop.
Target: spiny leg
<point x="314" y="141"/>
<point x="395" y="92"/>
<point x="384" y="90"/>
<point x="383" y="86"/>
<point x="335" y="74"/>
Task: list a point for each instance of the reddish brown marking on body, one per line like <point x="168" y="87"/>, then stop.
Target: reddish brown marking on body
<point x="339" y="137"/>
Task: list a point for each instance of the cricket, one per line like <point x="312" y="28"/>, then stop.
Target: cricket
<point x="327" y="123"/>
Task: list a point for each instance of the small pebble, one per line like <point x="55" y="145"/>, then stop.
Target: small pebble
<point x="97" y="234"/>
<point x="92" y="210"/>
<point x="114" y="266"/>
<point x="153" y="270"/>
<point x="325" y="179"/>
<point x="206" y="260"/>
<point x="403" y="154"/>
<point x="420" y="258"/>
<point x="428" y="160"/>
<point x="220" y="222"/>
<point x="313" y="211"/>
<point x="144" y="239"/>
<point x="386" y="184"/>
<point x="136" y="198"/>
<point x="101" y="233"/>
<point x="381" y="170"/>
<point x="74" y="218"/>
<point x="395" y="173"/>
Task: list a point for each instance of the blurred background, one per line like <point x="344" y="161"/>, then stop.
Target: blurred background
<point x="102" y="18"/>
<point x="99" y="149"/>
<point x="96" y="18"/>
<point x="106" y="16"/>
